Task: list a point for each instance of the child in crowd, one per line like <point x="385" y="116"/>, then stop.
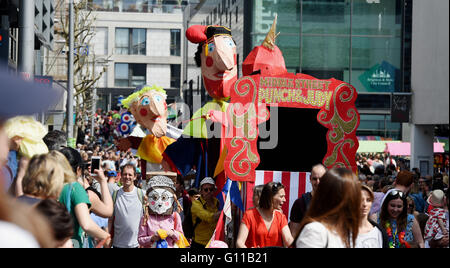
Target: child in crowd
<point x="436" y="226"/>
<point x="59" y="219"/>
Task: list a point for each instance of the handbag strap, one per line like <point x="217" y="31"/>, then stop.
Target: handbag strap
<point x="68" y="199"/>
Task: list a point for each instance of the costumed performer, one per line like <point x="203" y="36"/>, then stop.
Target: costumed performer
<point x="161" y="225"/>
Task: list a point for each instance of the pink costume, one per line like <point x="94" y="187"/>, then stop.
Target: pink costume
<point x="156" y="222"/>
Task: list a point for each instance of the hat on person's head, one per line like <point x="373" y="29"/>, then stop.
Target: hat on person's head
<point x="161" y="181"/>
<point x="20" y="97"/>
<point x="207" y="180"/>
<point x="436" y="198"/>
<point x="111" y="173"/>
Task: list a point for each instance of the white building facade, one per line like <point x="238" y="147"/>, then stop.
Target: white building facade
<point x="137" y="47"/>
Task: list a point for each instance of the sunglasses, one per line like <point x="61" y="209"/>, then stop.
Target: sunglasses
<point x="276" y="186"/>
<point x="394" y="193"/>
<point x="209" y="189"/>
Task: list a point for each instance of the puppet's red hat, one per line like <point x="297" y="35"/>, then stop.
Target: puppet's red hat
<point x="266" y="58"/>
<point x="200" y="33"/>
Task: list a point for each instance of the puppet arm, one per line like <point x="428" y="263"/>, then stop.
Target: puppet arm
<point x="218" y="116"/>
<point x="125" y="144"/>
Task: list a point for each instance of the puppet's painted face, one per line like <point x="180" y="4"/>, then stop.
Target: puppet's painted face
<point x="219" y="66"/>
<point x="161" y="201"/>
<point x="150" y="111"/>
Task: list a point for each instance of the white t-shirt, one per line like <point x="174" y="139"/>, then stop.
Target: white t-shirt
<point x="127" y="212"/>
<point x="372" y="239"/>
<point x="316" y="235"/>
<point x="12" y="236"/>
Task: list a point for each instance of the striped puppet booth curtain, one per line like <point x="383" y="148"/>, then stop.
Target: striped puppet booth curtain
<point x="295" y="183"/>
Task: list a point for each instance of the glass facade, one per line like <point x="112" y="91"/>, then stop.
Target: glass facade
<point x="356" y="41"/>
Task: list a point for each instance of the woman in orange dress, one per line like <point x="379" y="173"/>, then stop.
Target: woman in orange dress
<point x="265" y="225"/>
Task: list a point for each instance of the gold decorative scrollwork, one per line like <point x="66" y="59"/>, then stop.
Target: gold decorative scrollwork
<point x="249" y="116"/>
<point x="339" y="125"/>
<point x="251" y="157"/>
<point x="331" y="160"/>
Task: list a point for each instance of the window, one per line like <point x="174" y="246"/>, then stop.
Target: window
<point x="122" y="41"/>
<point x="121" y="75"/>
<point x="131" y="41"/>
<point x="130" y="75"/>
<point x="175" y="72"/>
<point x="138" y="37"/>
<point x="101" y="5"/>
<point x="175" y="42"/>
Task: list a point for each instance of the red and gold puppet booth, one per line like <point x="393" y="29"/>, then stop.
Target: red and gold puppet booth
<point x="266" y="83"/>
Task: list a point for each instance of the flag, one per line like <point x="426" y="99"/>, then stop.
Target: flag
<point x="219" y="232"/>
<point x="230" y="193"/>
<point x="295" y="184"/>
<point x="231" y="188"/>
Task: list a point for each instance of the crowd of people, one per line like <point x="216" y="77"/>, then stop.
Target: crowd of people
<point x="108" y="207"/>
<point x="57" y="199"/>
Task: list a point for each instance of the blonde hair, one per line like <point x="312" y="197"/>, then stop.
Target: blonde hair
<point x="69" y="175"/>
<point x="136" y="95"/>
<point x="44" y="177"/>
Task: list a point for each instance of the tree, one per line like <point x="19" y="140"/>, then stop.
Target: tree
<point x="85" y="75"/>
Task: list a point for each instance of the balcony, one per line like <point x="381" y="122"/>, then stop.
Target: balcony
<point x="165" y="7"/>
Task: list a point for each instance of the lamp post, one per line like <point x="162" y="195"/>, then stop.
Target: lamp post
<point x="69" y="121"/>
<point x="104" y="62"/>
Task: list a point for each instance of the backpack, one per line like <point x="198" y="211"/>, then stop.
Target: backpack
<point x="188" y="225"/>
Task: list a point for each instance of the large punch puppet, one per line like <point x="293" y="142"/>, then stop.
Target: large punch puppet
<point x="201" y="144"/>
<point x="149" y="108"/>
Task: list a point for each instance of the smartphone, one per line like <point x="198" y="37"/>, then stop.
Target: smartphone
<point x="95" y="164"/>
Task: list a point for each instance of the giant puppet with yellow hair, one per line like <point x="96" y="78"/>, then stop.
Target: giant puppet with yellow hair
<point x="149" y="108"/>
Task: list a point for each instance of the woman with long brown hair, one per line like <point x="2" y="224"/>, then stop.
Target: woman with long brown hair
<point x="333" y="218"/>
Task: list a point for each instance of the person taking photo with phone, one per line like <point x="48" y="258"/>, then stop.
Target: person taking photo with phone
<point x="77" y="200"/>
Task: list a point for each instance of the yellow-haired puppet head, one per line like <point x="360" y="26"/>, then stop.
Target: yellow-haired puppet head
<point x="149" y="108"/>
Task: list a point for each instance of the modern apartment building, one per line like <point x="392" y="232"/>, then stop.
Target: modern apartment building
<point x="141" y="43"/>
<point x="135" y="43"/>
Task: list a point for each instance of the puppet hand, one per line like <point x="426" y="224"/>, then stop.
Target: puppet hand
<point x="217" y="116"/>
<point x="123" y="144"/>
